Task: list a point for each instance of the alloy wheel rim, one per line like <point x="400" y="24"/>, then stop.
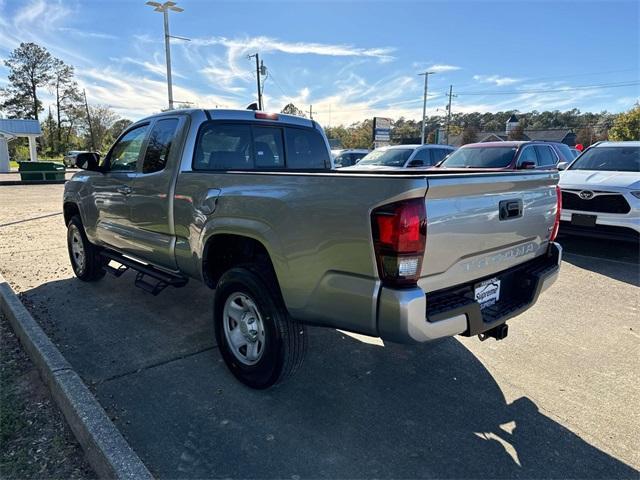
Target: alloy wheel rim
<point x="244" y="328"/>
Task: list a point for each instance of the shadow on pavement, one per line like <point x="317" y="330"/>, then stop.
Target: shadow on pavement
<point x="617" y="260"/>
<point x="355" y="410"/>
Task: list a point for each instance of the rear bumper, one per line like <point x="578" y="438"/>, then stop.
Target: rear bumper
<point x="410" y="316"/>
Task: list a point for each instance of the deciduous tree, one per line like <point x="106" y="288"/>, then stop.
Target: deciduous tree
<point x="469" y="135"/>
<point x="67" y="96"/>
<point x="627" y="125"/>
<point x="291" y="109"/>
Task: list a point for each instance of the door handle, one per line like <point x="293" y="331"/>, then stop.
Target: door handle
<point x="510" y="209"/>
<point x="125" y="190"/>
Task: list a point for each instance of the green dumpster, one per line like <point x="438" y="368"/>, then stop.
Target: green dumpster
<point x="41" y="171"/>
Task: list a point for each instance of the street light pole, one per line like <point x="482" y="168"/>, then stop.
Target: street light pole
<point x="424" y="103"/>
<point x="164" y="8"/>
<point x="167" y="52"/>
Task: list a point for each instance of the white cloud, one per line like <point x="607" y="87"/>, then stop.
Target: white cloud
<point x="132" y="96"/>
<point x="496" y="80"/>
<point x="441" y="68"/>
<point x="267" y="44"/>
<point x="158" y="67"/>
<point x="84" y="34"/>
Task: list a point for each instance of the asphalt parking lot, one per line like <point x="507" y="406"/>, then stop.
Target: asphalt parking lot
<point x="557" y="398"/>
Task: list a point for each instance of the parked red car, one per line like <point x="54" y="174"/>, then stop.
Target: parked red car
<point x="509" y="155"/>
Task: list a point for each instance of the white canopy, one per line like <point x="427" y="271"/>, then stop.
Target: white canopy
<point x="15" y="128"/>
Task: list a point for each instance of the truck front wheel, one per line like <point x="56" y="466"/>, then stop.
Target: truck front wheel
<point x="259" y="342"/>
<point x="85" y="256"/>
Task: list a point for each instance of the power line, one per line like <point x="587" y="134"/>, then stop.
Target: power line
<point x="600" y="86"/>
<point x="275" y="82"/>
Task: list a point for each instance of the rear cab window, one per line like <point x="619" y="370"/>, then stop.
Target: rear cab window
<point x="249" y="146"/>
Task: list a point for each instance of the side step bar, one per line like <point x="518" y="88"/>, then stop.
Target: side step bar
<point x="159" y="279"/>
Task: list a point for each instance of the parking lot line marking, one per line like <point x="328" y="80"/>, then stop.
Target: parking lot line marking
<point x="153" y="365"/>
<point x="29" y="219"/>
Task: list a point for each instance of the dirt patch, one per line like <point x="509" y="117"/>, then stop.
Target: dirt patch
<point x="36" y="440"/>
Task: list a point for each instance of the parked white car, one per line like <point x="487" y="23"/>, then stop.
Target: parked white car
<point x="601" y="192"/>
<point x="405" y="156"/>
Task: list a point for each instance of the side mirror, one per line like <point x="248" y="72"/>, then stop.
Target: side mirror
<point x="527" y="165"/>
<point x="88" y="161"/>
<point x="563" y="165"/>
<point x="415" y="163"/>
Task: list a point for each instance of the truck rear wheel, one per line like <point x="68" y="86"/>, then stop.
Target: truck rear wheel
<point x="260" y="343"/>
<point x="85" y="256"/>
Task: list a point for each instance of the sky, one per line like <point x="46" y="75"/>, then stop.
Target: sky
<point x="351" y="60"/>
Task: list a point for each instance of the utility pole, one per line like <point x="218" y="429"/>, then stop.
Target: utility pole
<point x="164" y="8"/>
<point x="449" y="112"/>
<point x="311" y="112"/>
<point x="86" y="105"/>
<point x="424" y="103"/>
<point x="259" y="69"/>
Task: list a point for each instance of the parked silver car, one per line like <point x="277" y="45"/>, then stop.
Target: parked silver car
<point x="69" y="158"/>
<point x="405" y="156"/>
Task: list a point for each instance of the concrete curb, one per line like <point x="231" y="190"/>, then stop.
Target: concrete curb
<point x="106" y="449"/>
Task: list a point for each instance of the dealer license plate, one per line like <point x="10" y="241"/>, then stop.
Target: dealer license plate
<point x="488" y="292"/>
<point x="582" y="220"/>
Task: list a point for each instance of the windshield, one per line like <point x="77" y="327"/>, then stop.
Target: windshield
<point x="393" y="157"/>
<point x="609" y="159"/>
<point x="480" y="157"/>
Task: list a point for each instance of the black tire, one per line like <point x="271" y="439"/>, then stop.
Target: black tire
<point x="285" y="339"/>
<point x="91" y="268"/>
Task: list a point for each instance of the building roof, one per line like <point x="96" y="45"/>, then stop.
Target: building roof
<point x="513" y="119"/>
<point x="549" y="135"/>
<point x="17" y="128"/>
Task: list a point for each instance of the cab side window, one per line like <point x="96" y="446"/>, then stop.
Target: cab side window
<point x="159" y="145"/>
<point x="125" y="153"/>
<point x="528" y="155"/>
<point x="422" y="155"/>
<point x="545" y="155"/>
<point x="438" y="154"/>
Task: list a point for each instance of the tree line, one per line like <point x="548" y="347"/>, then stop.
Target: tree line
<point x="589" y="127"/>
<point x="70" y="124"/>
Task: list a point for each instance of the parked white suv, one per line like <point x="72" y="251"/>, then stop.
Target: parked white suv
<point x="601" y="192"/>
<point x="405" y="156"/>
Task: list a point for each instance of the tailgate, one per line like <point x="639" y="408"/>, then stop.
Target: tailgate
<point x="468" y="237"/>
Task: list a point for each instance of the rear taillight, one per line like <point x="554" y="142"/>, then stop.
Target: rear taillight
<point x="399" y="238"/>
<point x="556" y="225"/>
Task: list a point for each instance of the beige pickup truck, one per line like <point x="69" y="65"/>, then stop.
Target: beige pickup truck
<point x="248" y="203"/>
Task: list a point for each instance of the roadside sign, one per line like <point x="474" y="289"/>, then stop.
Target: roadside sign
<point x="381" y="131"/>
